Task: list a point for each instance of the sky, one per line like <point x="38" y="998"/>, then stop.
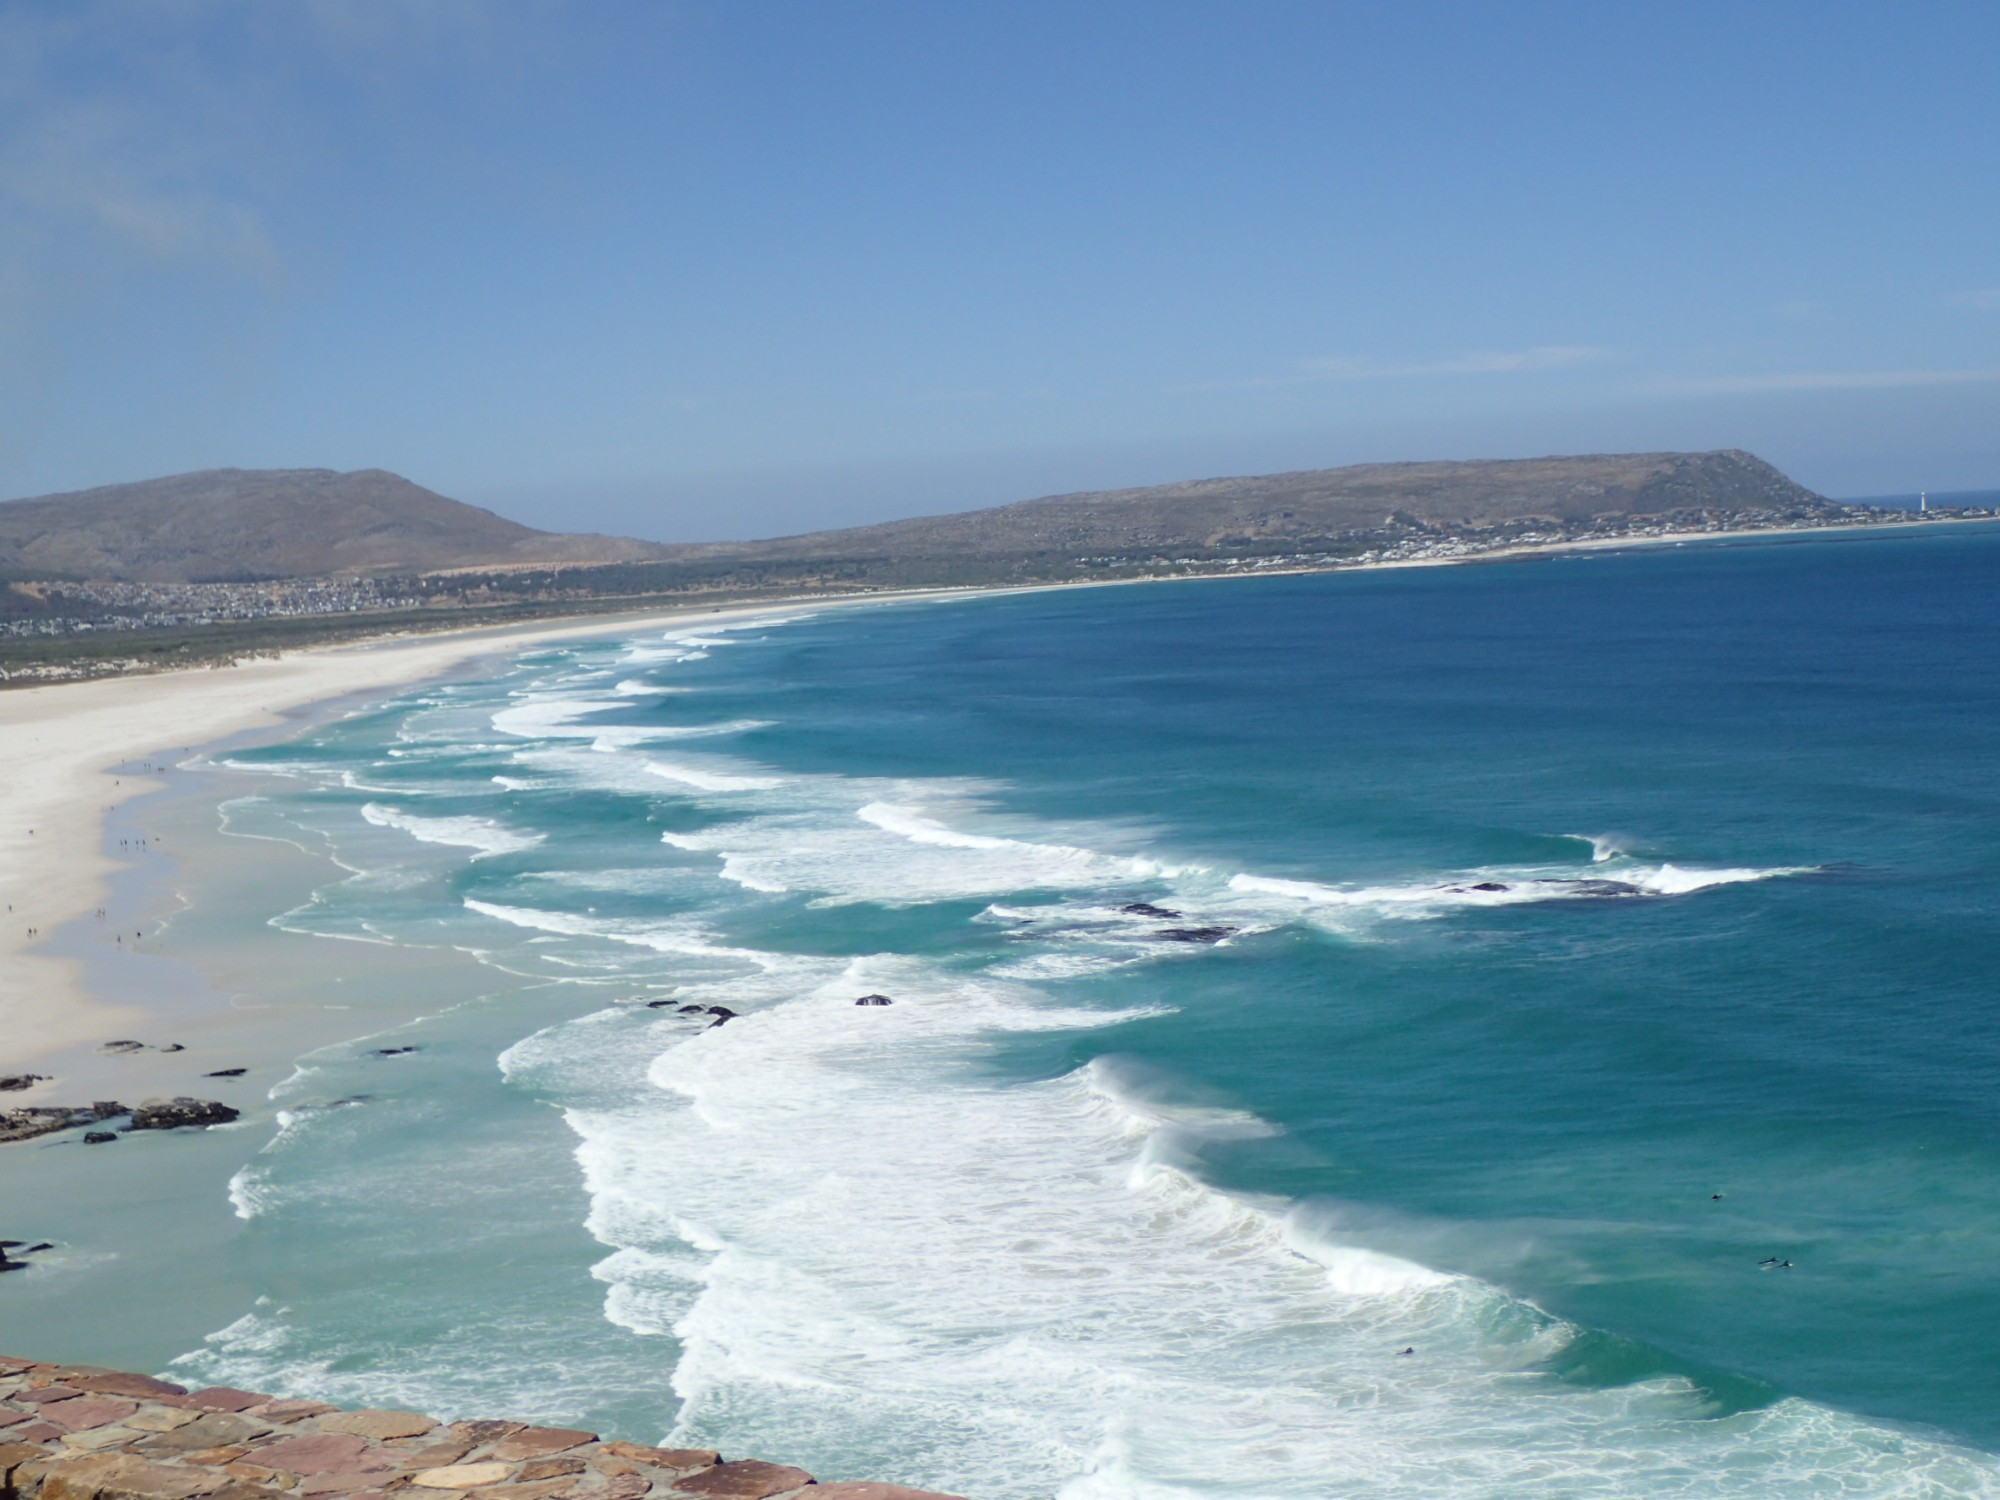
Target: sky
<point x="754" y="267"/>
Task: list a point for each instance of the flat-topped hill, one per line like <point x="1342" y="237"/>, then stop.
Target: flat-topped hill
<point x="241" y="525"/>
<point x="232" y="524"/>
<point x="1316" y="504"/>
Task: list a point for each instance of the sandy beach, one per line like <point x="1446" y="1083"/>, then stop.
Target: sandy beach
<point x="75" y="753"/>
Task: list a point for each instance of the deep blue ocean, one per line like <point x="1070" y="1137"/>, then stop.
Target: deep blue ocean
<point x="1522" y="1029"/>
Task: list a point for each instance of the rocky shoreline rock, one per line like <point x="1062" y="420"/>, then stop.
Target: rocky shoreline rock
<point x="78" y="1432"/>
<point x="29" y="1121"/>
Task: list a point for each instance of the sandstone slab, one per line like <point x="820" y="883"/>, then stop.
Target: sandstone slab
<point x="485" y="1432"/>
<point x="462" y="1476"/>
<point x="435" y="1455"/>
<point x="746" y="1479"/>
<point x="162" y="1418"/>
<point x="549" y="1468"/>
<point x="867" y="1489"/>
<point x="93" y="1438"/>
<point x="117" y="1383"/>
<point x="288" y="1411"/>
<point x="318" y="1453"/>
<point x="547" y="1490"/>
<point x="665" y="1458"/>
<point x="13" y="1455"/>
<point x="370" y="1423"/>
<point x="225" y="1398"/>
<point x="214" y="1429"/>
<point x="539" y="1442"/>
<point x="81" y="1412"/>
<point x="120" y="1476"/>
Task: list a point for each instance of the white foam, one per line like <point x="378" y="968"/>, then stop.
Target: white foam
<point x="482" y="834"/>
<point x="1672" y="880"/>
<point x="705" y="780"/>
<point x="1615" y="878"/>
<point x="1025" y="1290"/>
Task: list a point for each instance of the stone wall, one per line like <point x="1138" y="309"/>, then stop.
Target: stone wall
<point x="76" y="1432"/>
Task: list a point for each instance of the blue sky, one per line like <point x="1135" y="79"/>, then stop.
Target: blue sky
<point x="713" y="269"/>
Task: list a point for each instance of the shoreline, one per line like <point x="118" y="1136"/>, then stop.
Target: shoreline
<point x="81" y="754"/>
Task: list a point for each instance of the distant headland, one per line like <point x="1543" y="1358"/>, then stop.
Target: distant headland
<point x="206" y="568"/>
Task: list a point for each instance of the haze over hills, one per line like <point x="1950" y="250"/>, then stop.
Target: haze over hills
<point x="1317" y="506"/>
<point x="240" y="524"/>
<point x="245" y="524"/>
<point x="209" y="566"/>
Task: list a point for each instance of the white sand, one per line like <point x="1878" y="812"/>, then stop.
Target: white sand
<point x="60" y="743"/>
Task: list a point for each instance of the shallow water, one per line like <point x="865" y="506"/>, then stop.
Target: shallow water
<point x="1559" y="944"/>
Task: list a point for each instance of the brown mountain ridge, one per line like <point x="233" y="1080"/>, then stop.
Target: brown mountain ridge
<point x="240" y="524"/>
<point x="222" y="525"/>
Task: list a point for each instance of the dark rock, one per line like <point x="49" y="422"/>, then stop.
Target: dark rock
<point x="226" y="1073"/>
<point x="181" y="1112"/>
<point x="107" y="1109"/>
<point x="693" y="1010"/>
<point x="392" y="1051"/>
<point x="658" y="1004"/>
<point x="11" y="1265"/>
<point x="173" y="1047"/>
<point x="13" y="1082"/>
<point x="874" y="1000"/>
<point x="1193" y="934"/>
<point x="1604" y="888"/>
<point x="99" y="1137"/>
<point x="123" y="1045"/>
<point x="37" y="1249"/>
<point x="721" y="1010"/>
<point x="1487" y="885"/>
<point x="1142" y="909"/>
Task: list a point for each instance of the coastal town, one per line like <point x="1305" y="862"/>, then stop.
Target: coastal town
<point x="58" y="608"/>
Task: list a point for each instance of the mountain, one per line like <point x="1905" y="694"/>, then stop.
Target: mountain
<point x="1318" y="505"/>
<point x="239" y="524"/>
<point x="247" y="524"/>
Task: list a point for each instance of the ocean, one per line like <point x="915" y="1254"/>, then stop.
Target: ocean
<point x="1522" y="1029"/>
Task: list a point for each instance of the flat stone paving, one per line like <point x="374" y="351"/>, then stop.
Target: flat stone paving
<point x="76" y="1432"/>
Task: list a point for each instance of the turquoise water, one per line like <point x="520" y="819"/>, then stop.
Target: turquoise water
<point x="1563" y="944"/>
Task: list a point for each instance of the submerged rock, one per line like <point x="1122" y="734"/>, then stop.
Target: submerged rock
<point x="694" y="1010"/>
<point x="13" y="1082"/>
<point x="226" y="1073"/>
<point x="393" y="1051"/>
<point x="874" y="1000"/>
<point x="99" y="1137"/>
<point x="178" y="1113"/>
<point x="1193" y="934"/>
<point x="1487" y="885"/>
<point x="123" y="1045"/>
<point x="721" y="1013"/>
<point x="1143" y="909"/>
